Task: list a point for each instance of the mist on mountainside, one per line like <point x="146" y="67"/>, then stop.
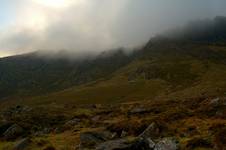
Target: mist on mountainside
<point x="202" y="30"/>
<point x="93" y="26"/>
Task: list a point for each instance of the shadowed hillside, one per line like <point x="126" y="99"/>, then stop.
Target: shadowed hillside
<point x="32" y="75"/>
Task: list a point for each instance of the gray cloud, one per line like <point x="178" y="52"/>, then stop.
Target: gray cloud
<point x="97" y="25"/>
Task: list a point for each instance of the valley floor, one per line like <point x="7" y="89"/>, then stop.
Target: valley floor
<point x="197" y="123"/>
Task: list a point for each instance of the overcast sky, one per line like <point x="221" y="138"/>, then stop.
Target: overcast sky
<point x="93" y="25"/>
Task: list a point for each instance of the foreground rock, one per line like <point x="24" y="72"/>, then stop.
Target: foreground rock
<point x="3" y="127"/>
<point x="151" y="132"/>
<point x="124" y="144"/>
<point x="72" y="122"/>
<point x="13" y="132"/>
<point x="22" y="144"/>
<point x="147" y="140"/>
<point x="91" y="139"/>
<point x="166" y="144"/>
<point x="139" y="110"/>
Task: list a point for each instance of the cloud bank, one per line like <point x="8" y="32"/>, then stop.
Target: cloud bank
<point x="94" y="25"/>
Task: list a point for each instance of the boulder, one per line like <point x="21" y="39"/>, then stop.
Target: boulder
<point x="150" y="143"/>
<point x="166" y="144"/>
<point x="151" y="132"/>
<point x="59" y="130"/>
<point x="123" y="134"/>
<point x="91" y="139"/>
<point x="72" y="122"/>
<point x="46" y="130"/>
<point x="124" y="144"/>
<point x="138" y="110"/>
<point x="215" y="102"/>
<point x="96" y="118"/>
<point x="3" y="127"/>
<point x="13" y="132"/>
<point x="22" y="144"/>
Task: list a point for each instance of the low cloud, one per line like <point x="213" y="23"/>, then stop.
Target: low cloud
<point x="96" y="25"/>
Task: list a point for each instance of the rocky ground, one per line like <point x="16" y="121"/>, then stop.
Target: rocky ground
<point x="148" y="125"/>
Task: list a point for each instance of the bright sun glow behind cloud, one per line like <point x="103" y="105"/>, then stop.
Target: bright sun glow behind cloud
<point x="57" y="3"/>
<point x="83" y="25"/>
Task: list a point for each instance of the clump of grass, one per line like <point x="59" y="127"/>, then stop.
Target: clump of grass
<point x="199" y="142"/>
<point x="6" y="145"/>
<point x="83" y="113"/>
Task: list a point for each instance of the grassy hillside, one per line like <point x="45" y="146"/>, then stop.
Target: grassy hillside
<point x="190" y="59"/>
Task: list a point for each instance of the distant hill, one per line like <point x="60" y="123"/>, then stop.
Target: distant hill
<point x="169" y="65"/>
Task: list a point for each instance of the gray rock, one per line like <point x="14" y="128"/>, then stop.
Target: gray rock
<point x="3" y="127"/>
<point x="95" y="118"/>
<point x="150" y="143"/>
<point x="115" y="144"/>
<point x="114" y="135"/>
<point x="73" y="122"/>
<point x="215" y="102"/>
<point x="123" y="144"/>
<point x="91" y="139"/>
<point x="166" y="144"/>
<point x="13" y="132"/>
<point x="46" y="130"/>
<point x="22" y="144"/>
<point x="220" y="113"/>
<point x="123" y="134"/>
<point x="98" y="106"/>
<point x="152" y="131"/>
<point x="138" y="110"/>
<point x="59" y="130"/>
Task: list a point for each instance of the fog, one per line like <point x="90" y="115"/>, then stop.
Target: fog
<point x="90" y="26"/>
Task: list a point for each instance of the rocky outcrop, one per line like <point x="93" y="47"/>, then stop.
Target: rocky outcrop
<point x="152" y="131"/>
<point x="147" y="140"/>
<point x="138" y="110"/>
<point x="13" y="132"/>
<point x="72" y="122"/>
<point x="91" y="139"/>
<point x="123" y="144"/>
<point x="138" y="144"/>
<point x="3" y="127"/>
<point x="166" y="144"/>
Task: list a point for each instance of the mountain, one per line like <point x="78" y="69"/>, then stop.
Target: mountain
<point x="202" y="41"/>
<point x="174" y="61"/>
<point x="163" y="67"/>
